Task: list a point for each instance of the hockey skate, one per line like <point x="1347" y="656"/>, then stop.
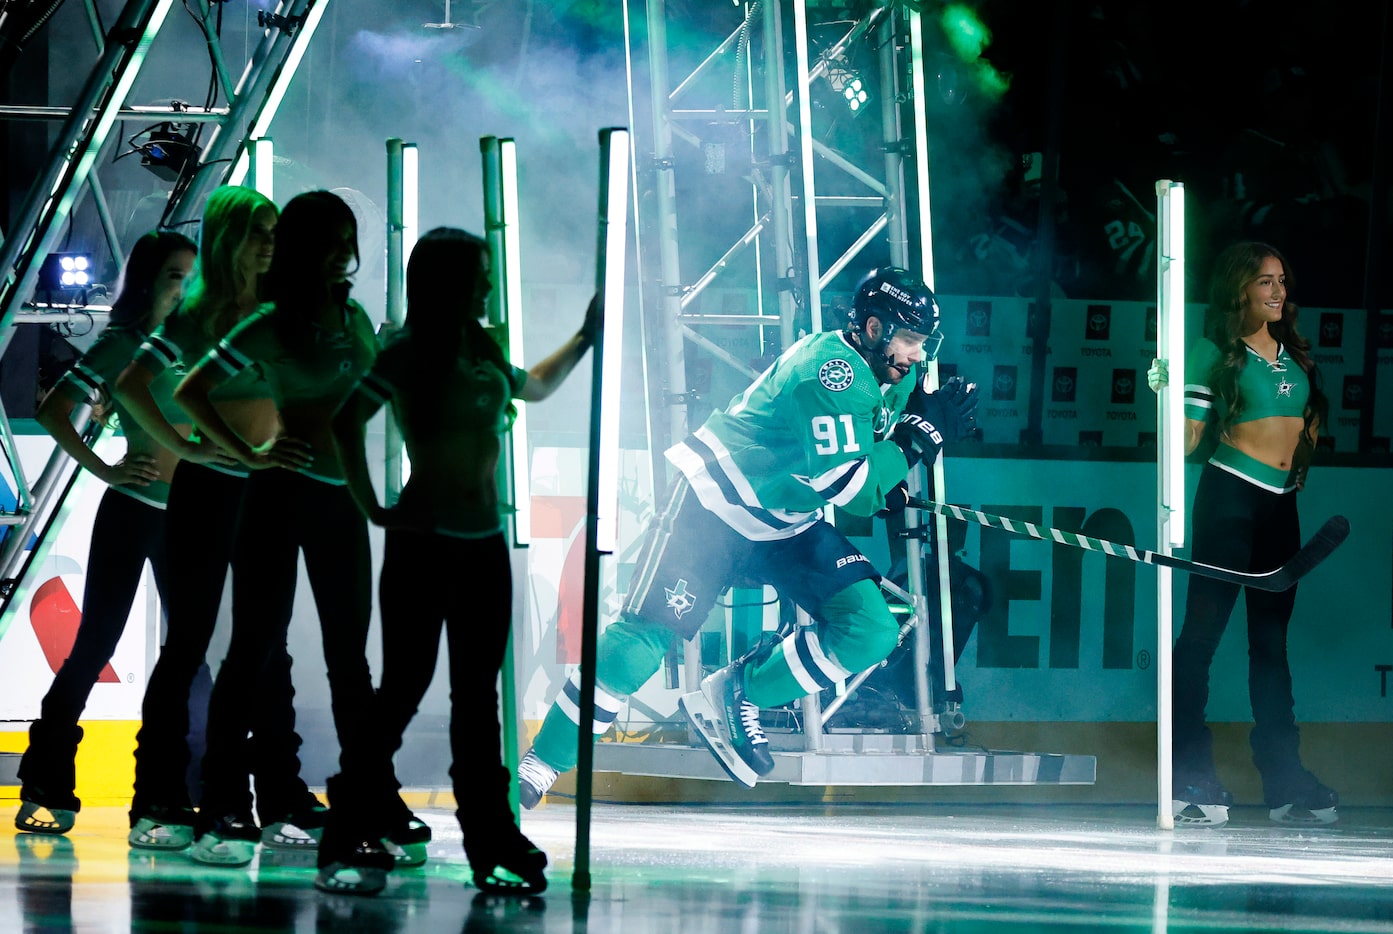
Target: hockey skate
<point x="535" y="777"/>
<point x="729" y="725"/>
<point x="301" y="829"/>
<point x="163" y="828"/>
<point x="504" y="862"/>
<point x="407" y="839"/>
<point x="1305" y="802"/>
<point x="355" y="869"/>
<point x="43" y="813"/>
<point x="228" y="841"/>
<point x="1200" y="803"/>
<point x="48" y="775"/>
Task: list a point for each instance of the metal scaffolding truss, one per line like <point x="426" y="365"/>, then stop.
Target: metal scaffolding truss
<point x="777" y="256"/>
<point x="71" y="174"/>
<point x="812" y="210"/>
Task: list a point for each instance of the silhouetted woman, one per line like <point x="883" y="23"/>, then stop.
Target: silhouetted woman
<point x="451" y="391"/>
<point x="312" y="343"/>
<point x="236" y="242"/>
<point x="129" y="528"/>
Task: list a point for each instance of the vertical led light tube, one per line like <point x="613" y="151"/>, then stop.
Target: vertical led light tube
<point x="1170" y="309"/>
<point x="276" y="92"/>
<point x="610" y="272"/>
<point x="926" y="263"/>
<point x="805" y="160"/>
<point x="510" y="285"/>
<point x="921" y="147"/>
<point x="1170" y="475"/>
<point x="410" y="198"/>
<point x="396" y="225"/>
<point x="263" y="166"/>
<point x="401" y="235"/>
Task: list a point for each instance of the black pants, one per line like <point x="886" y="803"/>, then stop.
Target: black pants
<point x="1244" y="527"/>
<point x="125" y="534"/>
<point x="200" y="525"/>
<point x="477" y="618"/>
<point x="285" y="513"/>
<point x="473" y="601"/>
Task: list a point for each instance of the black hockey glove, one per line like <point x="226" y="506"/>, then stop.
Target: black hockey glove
<point x="896" y="500"/>
<point x="933" y="419"/>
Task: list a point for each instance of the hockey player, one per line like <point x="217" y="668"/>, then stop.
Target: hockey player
<point x="834" y="421"/>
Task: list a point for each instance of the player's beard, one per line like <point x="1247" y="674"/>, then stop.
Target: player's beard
<point x="879" y="360"/>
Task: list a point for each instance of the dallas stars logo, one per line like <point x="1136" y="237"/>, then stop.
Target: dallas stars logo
<point x="836" y="375"/>
<point x="678" y="599"/>
<point x="1284" y="388"/>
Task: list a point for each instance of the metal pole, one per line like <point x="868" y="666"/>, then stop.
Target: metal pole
<point x="504" y="311"/>
<point x="51" y="196"/>
<point x="671" y="387"/>
<point x="602" y="487"/>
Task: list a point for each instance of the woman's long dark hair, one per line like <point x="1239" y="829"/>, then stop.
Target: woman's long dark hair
<point x="440" y="326"/>
<point x="133" y="303"/>
<point x="1234" y="270"/>
<point x="304" y="238"/>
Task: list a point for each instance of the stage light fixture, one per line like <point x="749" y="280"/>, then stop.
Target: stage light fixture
<point x="66" y="272"/>
<point x="168" y="148"/>
<point x="849" y="85"/>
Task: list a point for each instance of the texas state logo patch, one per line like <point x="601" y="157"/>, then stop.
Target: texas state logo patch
<point x="836" y="375"/>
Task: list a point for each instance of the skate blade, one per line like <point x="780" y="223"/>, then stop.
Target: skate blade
<point x="1199" y="815"/>
<point x="1297" y="816"/>
<point x="704" y="721"/>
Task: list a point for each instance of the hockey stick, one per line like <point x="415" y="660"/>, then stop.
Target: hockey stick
<point x="1325" y="541"/>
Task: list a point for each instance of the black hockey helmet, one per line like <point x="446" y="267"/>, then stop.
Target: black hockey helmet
<point x="898" y="300"/>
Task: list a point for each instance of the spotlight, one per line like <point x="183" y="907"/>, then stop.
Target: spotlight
<point x="855" y="94"/>
<point x="849" y="85"/>
<point x="168" y="148"/>
<point x="66" y="272"/>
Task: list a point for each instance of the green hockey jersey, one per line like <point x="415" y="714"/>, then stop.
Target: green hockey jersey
<point x="808" y="432"/>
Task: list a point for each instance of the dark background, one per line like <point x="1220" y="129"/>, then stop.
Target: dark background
<point x="1267" y="111"/>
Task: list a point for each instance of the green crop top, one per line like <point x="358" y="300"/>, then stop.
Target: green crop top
<point x="90" y="381"/>
<point x="1267" y="388"/>
<point x="473" y="398"/>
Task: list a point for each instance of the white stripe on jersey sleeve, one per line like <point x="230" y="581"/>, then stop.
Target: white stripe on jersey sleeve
<point x="90" y="382"/>
<point x="855" y="473"/>
<point x="376" y="388"/>
<point x="230" y="358"/>
<point x="736" y="515"/>
<point x="160" y="348"/>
